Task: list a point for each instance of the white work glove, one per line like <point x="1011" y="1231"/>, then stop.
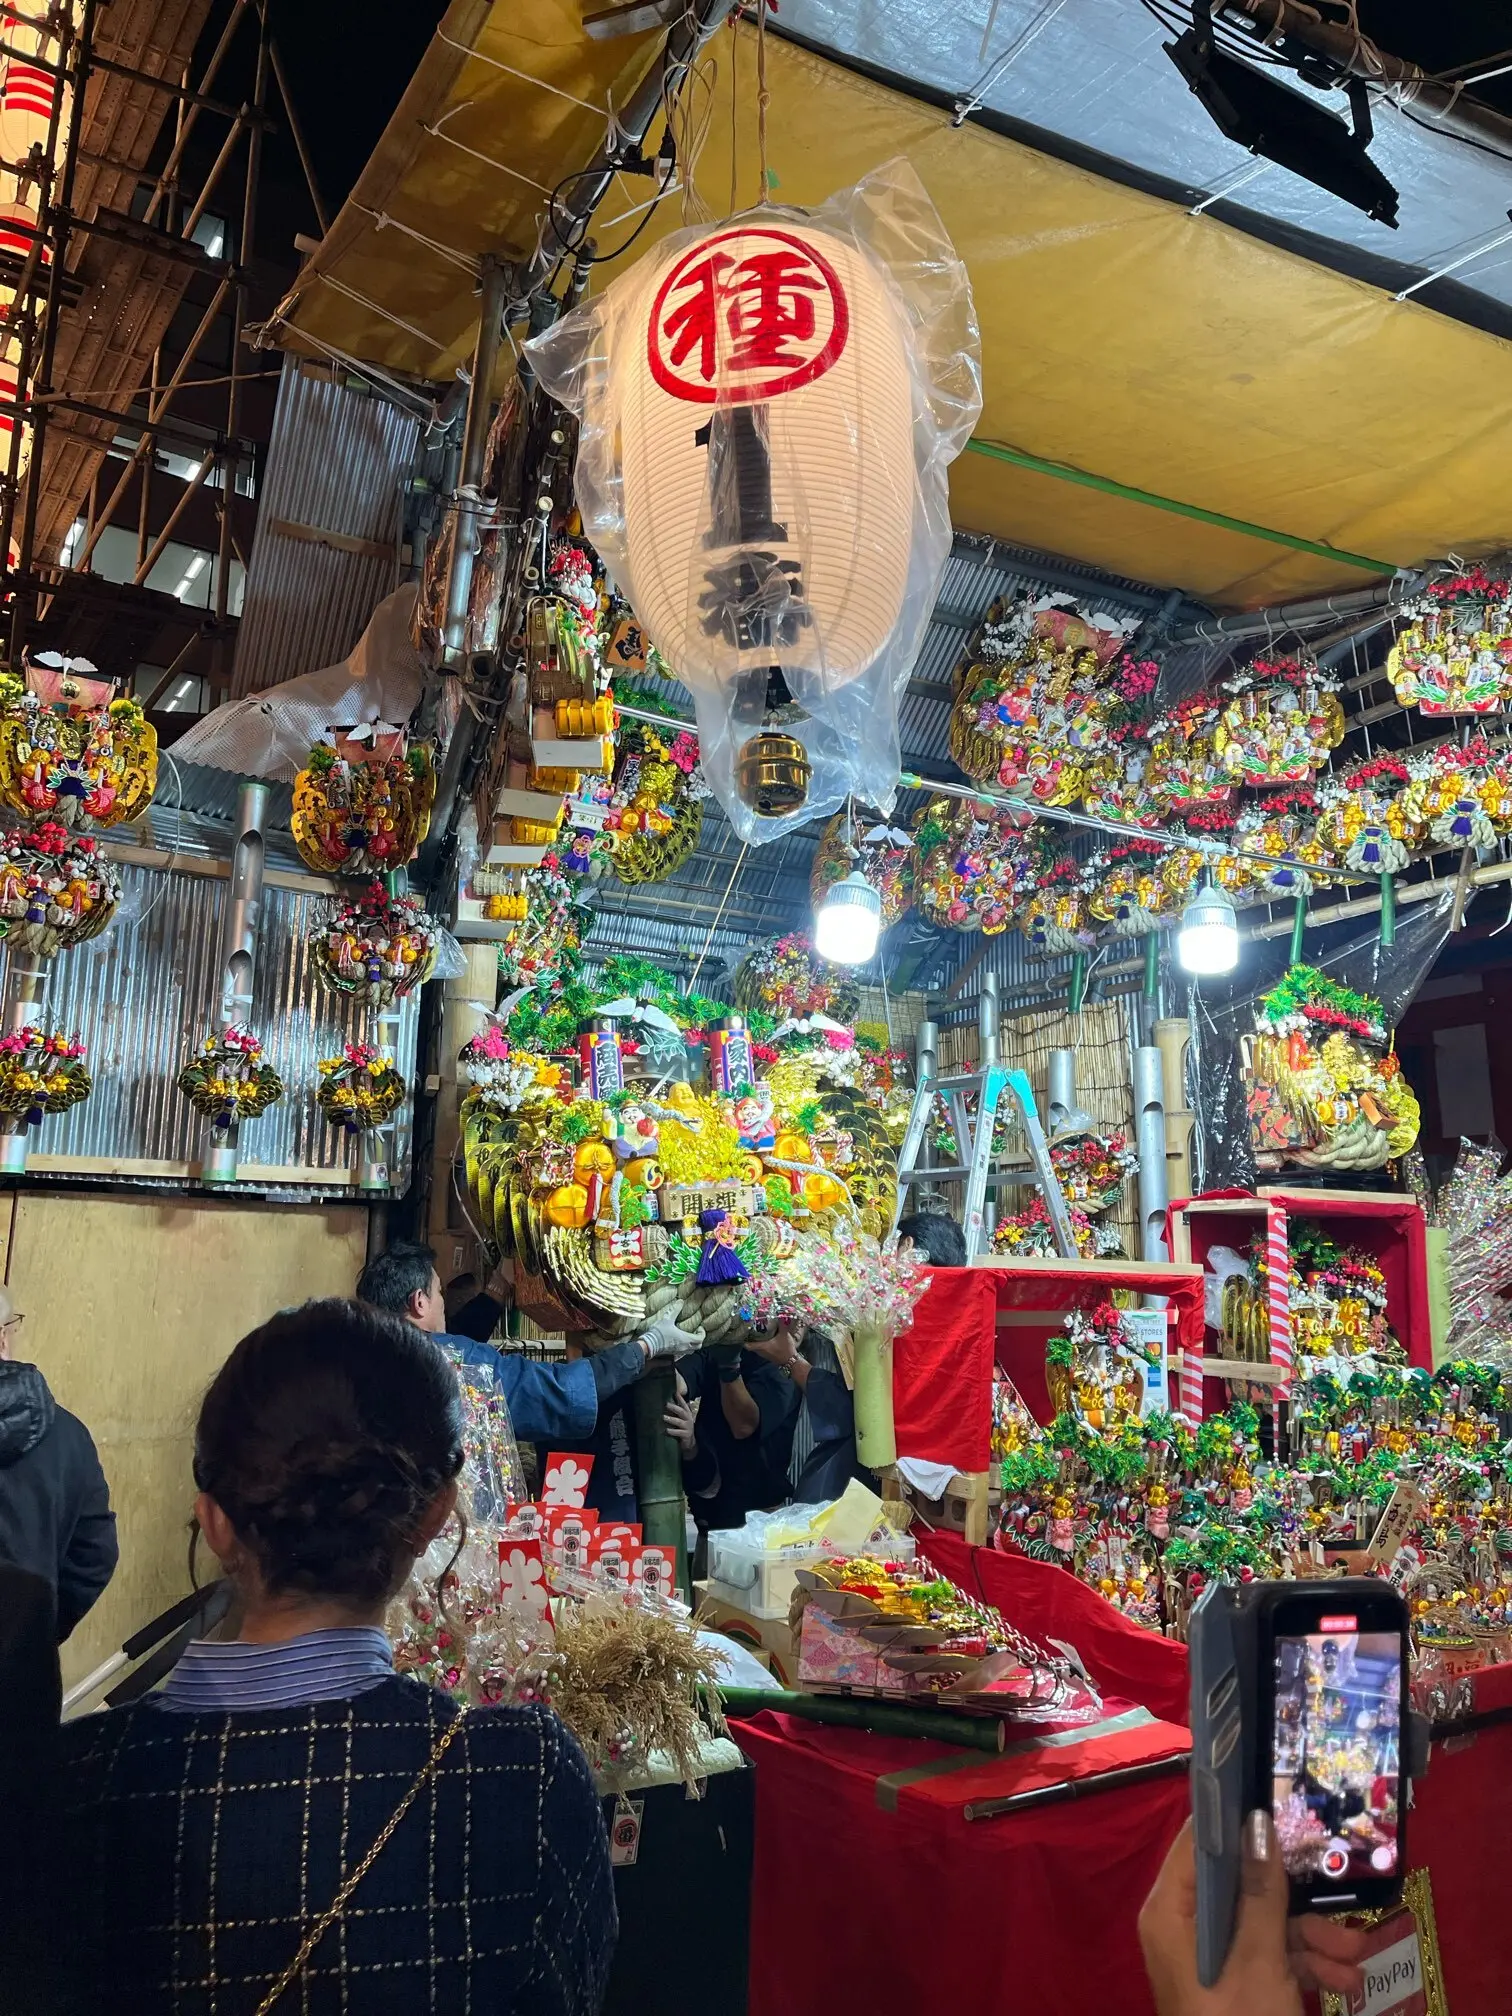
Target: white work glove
<point x="662" y="1339"/>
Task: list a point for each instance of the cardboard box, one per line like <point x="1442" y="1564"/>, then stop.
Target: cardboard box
<point x="770" y="1638"/>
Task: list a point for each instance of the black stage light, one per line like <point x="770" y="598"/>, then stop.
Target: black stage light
<point x="1273" y="120"/>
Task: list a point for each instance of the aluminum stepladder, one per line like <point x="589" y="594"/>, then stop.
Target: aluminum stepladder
<point x="973" y="1132"/>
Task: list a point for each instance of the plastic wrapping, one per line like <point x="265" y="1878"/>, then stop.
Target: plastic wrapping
<point x="1223" y="1151"/>
<point x="768" y="408"/>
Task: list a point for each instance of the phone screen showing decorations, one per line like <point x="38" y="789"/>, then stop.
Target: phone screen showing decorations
<point x="1336" y="1756"/>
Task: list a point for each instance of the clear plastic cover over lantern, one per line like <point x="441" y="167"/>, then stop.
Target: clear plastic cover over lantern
<point x="768" y="408"/>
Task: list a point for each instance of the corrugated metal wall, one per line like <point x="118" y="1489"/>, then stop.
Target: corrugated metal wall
<point x="333" y="466"/>
<point x="144" y="995"/>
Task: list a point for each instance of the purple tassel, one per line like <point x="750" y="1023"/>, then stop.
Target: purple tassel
<point x="718" y="1262"/>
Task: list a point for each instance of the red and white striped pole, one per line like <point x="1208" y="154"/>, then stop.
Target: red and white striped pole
<point x="1278" y="1297"/>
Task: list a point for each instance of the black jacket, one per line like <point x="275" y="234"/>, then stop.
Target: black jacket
<point x="55" y="1516"/>
<point x="197" y="1849"/>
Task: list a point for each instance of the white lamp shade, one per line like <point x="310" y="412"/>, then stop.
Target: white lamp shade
<point x="848" y="922"/>
<point x="1208" y="941"/>
<point x="775" y="327"/>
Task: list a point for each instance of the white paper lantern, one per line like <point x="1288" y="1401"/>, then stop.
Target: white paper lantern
<point x="768" y="407"/>
<point x="28" y="91"/>
<point x="763" y="403"/>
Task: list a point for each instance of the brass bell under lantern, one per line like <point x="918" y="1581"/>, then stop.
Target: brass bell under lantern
<point x="772" y="774"/>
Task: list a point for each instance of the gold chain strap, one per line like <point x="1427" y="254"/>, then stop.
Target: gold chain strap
<point x="339" y="1902"/>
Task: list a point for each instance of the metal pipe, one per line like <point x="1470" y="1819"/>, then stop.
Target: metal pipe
<point x="144" y="494"/>
<point x="155" y="411"/>
<point x="687" y="35"/>
<point x="1150" y="1137"/>
<point x="467" y="503"/>
<point x="228" y="148"/>
<point x="245" y="253"/>
<point x="1290" y="615"/>
<point x="1060" y="1091"/>
<point x="989" y="1020"/>
<point x="1394" y="78"/>
<point x="238" y="949"/>
<point x="191" y="489"/>
<point x="296" y="133"/>
<point x="171" y="165"/>
<point x="60" y="214"/>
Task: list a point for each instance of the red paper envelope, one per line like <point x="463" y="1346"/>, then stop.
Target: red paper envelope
<point x="522" y="1583"/>
<point x="568" y="1532"/>
<point x="656" y="1571"/>
<point x="614" y="1562"/>
<point x="524" y="1519"/>
<point x="565" y="1479"/>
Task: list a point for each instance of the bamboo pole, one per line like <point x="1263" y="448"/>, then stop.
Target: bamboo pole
<point x="882" y="1718"/>
<point x="663" y="1510"/>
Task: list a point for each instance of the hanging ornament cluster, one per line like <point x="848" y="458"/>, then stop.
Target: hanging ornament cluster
<point x="1460" y="793"/>
<point x="864" y="841"/>
<point x="1282" y="825"/>
<point x="375" y="947"/>
<point x="362" y="803"/>
<point x="41" y="1071"/>
<point x="787" y="979"/>
<point x="56" y="888"/>
<point x="966" y="863"/>
<point x="230" y="1080"/>
<point x="359" y="1090"/>
<point x="1043" y="691"/>
<point x="1125" y="888"/>
<point x="1455" y="654"/>
<point x="1367" y="823"/>
<point x="1092" y="1168"/>
<point x="1323" y="1089"/>
<point x="725" y="1205"/>
<point x="1282" y="718"/>
<point x="69" y="753"/>
<point x="768" y="407"/>
<point x="641" y="823"/>
<point x="547" y="926"/>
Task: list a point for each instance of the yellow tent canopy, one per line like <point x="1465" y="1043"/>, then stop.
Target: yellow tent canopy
<point x="1155" y="382"/>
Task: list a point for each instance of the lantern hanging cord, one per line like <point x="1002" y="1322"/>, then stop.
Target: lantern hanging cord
<point x="745" y="848"/>
<point x="763" y="99"/>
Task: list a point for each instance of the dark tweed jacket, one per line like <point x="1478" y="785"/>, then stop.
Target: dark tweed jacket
<point x="198" y="1849"/>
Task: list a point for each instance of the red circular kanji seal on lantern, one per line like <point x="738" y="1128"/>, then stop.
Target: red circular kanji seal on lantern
<point x="745" y="315"/>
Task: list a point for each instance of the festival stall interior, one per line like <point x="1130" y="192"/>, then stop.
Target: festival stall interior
<point x="850" y="617"/>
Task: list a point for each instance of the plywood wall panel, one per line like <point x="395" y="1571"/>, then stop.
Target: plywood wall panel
<point x="131" y="1306"/>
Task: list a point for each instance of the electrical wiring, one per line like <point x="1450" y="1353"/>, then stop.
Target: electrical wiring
<point x="1446" y="132"/>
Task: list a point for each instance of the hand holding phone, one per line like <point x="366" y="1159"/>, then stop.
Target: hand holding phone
<point x="1299" y="1709"/>
<point x="1273" y="1959"/>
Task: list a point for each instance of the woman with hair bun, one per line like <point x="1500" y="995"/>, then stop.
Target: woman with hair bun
<point x="288" y="1824"/>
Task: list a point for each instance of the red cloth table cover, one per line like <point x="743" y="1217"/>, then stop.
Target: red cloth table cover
<point x="886" y="1898"/>
<point x="942" y="1371"/>
<point x="918" y="1911"/>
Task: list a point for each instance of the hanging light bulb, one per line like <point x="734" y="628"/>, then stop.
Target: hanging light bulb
<point x="1208" y="941"/>
<point x="849" y="921"/>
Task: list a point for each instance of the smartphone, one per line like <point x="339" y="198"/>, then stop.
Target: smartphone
<point x="1299" y="1705"/>
<point x="1332" y="1680"/>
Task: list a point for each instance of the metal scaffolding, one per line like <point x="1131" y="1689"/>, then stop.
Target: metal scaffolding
<point x="99" y="287"/>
